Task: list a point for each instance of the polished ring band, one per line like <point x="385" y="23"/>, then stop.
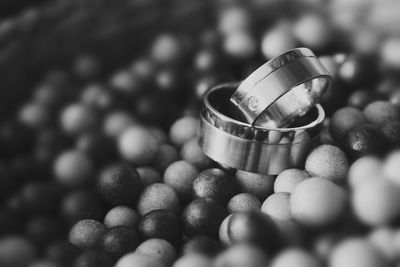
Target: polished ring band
<point x="239" y="145"/>
<point x="283" y="89"/>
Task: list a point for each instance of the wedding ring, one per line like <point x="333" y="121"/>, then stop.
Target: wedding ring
<point x="225" y="137"/>
<point x="283" y="89"/>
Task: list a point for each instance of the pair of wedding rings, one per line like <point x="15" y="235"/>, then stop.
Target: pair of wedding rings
<point x="267" y="123"/>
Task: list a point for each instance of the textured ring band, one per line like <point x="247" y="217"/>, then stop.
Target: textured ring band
<point x="283" y="89"/>
<point x="239" y="145"/>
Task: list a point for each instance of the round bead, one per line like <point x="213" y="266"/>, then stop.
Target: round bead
<point x="381" y="112"/>
<point x="375" y="201"/>
<point x="166" y="49"/>
<point x="313" y="31"/>
<point x="356" y="252"/>
<point x="244" y="202"/>
<point x="138" y="146"/>
<point x="295" y="257"/>
<point x="317" y="202"/>
<point x="116" y="123"/>
<point x="119" y="240"/>
<point x="288" y="179"/>
<point x="77" y="119"/>
<point x="240" y="45"/>
<point x="193" y="260"/>
<point x="383" y="240"/>
<point x="365" y="139"/>
<point x="121" y="216"/>
<point x="165" y="156"/>
<point x="359" y="99"/>
<point x="161" y="224"/>
<point x="93" y="258"/>
<point x="16" y="251"/>
<point x="364" y="169"/>
<point x="125" y="81"/>
<point x="201" y="245"/>
<point x="180" y="176"/>
<point x="233" y="19"/>
<point x="390" y="54"/>
<point x="158" y="196"/>
<point x="158" y="249"/>
<point x="242" y="255"/>
<point x="192" y="153"/>
<point x="329" y="162"/>
<point x="138" y="260"/>
<point x="258" y="185"/>
<point x="73" y="168"/>
<point x="344" y="120"/>
<point x="391" y="167"/>
<point x="34" y="115"/>
<point x="203" y="216"/>
<point x="86" y="234"/>
<point x="215" y="184"/>
<point x="149" y="176"/>
<point x="119" y="184"/>
<point x="183" y="130"/>
<point x="277" y="206"/>
<point x="255" y="228"/>
<point x="278" y="40"/>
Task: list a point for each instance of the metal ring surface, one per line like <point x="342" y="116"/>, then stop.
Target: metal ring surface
<point x="286" y="86"/>
<point x="237" y="144"/>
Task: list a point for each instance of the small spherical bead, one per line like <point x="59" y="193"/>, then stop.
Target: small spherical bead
<point x="383" y="239"/>
<point x="158" y="196"/>
<point x="93" y="258"/>
<point x="287" y="180"/>
<point x="149" y="176"/>
<point x="242" y="255"/>
<point x="158" y="249"/>
<point x="201" y="245"/>
<point x="244" y="202"/>
<point x="356" y="252"/>
<point x="119" y="240"/>
<point x="258" y="185"/>
<point x="364" y="169"/>
<point x="381" y="112"/>
<point x="183" y="130"/>
<point x="233" y="19"/>
<point x="215" y="184"/>
<point x="391" y="167"/>
<point x="73" y="168"/>
<point x="16" y="251"/>
<point x="278" y="40"/>
<point x="165" y="157"/>
<point x="138" y="145"/>
<point x="166" y="49"/>
<point x="119" y="184"/>
<point x="97" y="97"/>
<point x="121" y="216"/>
<point x="375" y="201"/>
<point x="34" y="115"/>
<point x="365" y="139"/>
<point x="180" y="176"/>
<point x="125" y="82"/>
<point x="87" y="67"/>
<point x="203" y="216"/>
<point x="116" y="123"/>
<point x="344" y="120"/>
<point x="329" y="162"/>
<point x="359" y="99"/>
<point x="138" y="260"/>
<point x="77" y="119"/>
<point x="295" y="257"/>
<point x="317" y="202"/>
<point x="390" y="53"/>
<point x="391" y="130"/>
<point x="62" y="253"/>
<point x="255" y="228"/>
<point x="86" y="234"/>
<point x="193" y="260"/>
<point x="161" y="224"/>
<point x="240" y="45"/>
<point x="277" y="206"/>
<point x="192" y="153"/>
<point x="313" y="31"/>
